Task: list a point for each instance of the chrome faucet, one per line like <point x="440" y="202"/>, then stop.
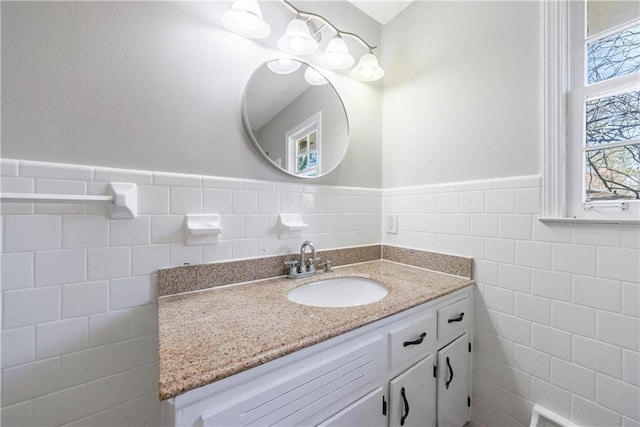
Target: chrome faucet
<point x="308" y="265"/>
<point x="305" y="267"/>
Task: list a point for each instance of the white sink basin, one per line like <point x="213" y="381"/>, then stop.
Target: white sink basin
<point x="338" y="292"/>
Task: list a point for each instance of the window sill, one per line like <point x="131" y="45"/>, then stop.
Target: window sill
<point x="552" y="220"/>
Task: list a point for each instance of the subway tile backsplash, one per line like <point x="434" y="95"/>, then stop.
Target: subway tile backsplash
<point x="557" y="305"/>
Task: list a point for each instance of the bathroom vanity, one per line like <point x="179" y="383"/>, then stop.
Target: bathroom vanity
<point x="246" y="355"/>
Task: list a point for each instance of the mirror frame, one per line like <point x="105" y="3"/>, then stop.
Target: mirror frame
<point x="249" y="131"/>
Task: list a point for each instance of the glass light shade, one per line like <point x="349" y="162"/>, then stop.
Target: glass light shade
<point x="336" y="56"/>
<point x="368" y="69"/>
<point x="245" y="18"/>
<point x="283" y="66"/>
<point x="297" y="39"/>
<point x="314" y="78"/>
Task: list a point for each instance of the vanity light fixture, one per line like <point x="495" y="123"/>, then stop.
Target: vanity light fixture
<point x="283" y="66"/>
<point x="297" y="39"/>
<point x="245" y="18"/>
<point x="303" y="35"/>
<point x="314" y="78"/>
<point x="367" y="69"/>
<point x="336" y="56"/>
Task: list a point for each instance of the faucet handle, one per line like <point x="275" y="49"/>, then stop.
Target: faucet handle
<point x="292" y="265"/>
<point x="327" y="266"/>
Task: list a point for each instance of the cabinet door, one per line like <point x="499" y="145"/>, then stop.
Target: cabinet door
<point x="453" y="383"/>
<point x="365" y="412"/>
<point x="412" y="396"/>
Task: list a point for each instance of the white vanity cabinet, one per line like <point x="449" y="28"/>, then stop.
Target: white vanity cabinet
<point x="387" y="373"/>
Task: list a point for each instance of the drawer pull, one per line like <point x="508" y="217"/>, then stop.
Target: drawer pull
<point x="457" y="319"/>
<point x="450" y="373"/>
<point x="406" y="407"/>
<point x="416" y="342"/>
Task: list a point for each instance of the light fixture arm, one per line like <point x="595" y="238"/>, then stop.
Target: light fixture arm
<point x="326" y="22"/>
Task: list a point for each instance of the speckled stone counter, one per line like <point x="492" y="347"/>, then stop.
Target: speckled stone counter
<point x="209" y="335"/>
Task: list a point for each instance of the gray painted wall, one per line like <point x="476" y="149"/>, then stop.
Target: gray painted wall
<point x="462" y="92"/>
<point x="158" y="85"/>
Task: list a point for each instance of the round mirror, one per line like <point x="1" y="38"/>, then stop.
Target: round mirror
<point x="295" y="118"/>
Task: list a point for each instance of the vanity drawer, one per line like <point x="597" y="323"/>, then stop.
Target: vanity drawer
<point x="412" y="339"/>
<point x="453" y="319"/>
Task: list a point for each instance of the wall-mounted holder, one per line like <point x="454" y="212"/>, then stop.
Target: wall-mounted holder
<point x="202" y="229"/>
<point x="124" y="199"/>
<point x="291" y="226"/>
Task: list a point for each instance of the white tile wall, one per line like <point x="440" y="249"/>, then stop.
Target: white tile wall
<point x="596" y="355"/>
<point x="31" y="232"/>
<point x="631" y="367"/>
<point x="533" y="254"/>
<point x="30" y="306"/>
<point x="18" y="346"/>
<point x="577" y="259"/>
<point x="85" y="231"/>
<point x="619" y="263"/>
<point x="82" y="299"/>
<point x="552" y="285"/>
<point x="558" y="305"/>
<point x="153" y="199"/>
<point x="587" y="413"/>
<point x="186" y="200"/>
<point x="60" y="337"/>
<point x="573" y="318"/>
<point x="48" y="271"/>
<point x="17" y="270"/>
<point x="533" y="308"/>
<point x="551" y="341"/>
<point x="533" y="362"/>
<point x="574" y="378"/>
<point x="618" y="396"/>
<point x="79" y="330"/>
<point x="554" y="398"/>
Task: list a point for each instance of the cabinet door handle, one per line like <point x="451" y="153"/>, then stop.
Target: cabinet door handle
<point x="406" y="407"/>
<point x="457" y="319"/>
<point x="450" y="374"/>
<point x="415" y="342"/>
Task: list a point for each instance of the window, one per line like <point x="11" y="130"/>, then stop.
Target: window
<point x="592" y="118"/>
<point x="303" y="147"/>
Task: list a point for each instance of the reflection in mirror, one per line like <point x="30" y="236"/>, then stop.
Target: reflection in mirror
<point x="295" y="118"/>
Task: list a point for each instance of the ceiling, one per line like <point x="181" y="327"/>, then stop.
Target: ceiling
<point x="381" y="10"/>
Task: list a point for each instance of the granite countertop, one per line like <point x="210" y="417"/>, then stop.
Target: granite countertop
<point x="208" y="335"/>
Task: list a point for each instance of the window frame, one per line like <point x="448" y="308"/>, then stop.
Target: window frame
<point x="307" y="126"/>
<point x="562" y="186"/>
